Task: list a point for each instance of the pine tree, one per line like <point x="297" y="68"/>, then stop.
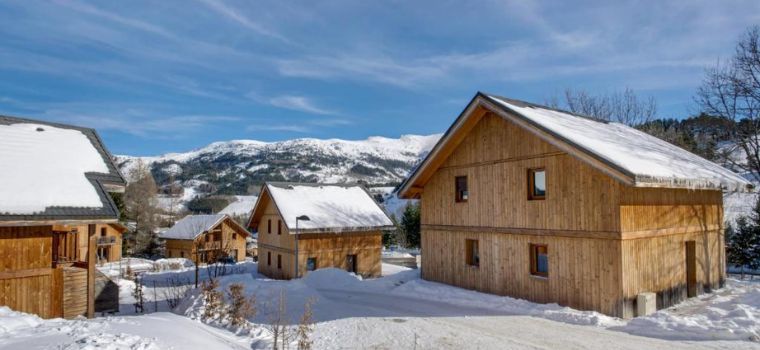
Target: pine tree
<point x="410" y="225"/>
<point x="743" y="242"/>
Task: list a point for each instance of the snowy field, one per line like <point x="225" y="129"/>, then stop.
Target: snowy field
<point x="397" y="311"/>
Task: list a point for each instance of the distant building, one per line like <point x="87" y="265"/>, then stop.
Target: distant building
<point x="304" y="227"/>
<point x="53" y="199"/>
<point x="537" y="203"/>
<point x="206" y="238"/>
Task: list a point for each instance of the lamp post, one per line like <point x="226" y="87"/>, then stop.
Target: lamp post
<point x="302" y="218"/>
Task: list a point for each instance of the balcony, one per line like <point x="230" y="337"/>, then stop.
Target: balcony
<point x="108" y="240"/>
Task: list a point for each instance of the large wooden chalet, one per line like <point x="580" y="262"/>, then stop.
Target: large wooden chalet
<point x="536" y="203"/>
<point x="304" y="227"/>
<point x="53" y="195"/>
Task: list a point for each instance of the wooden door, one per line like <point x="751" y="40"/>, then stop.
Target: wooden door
<point x="691" y="269"/>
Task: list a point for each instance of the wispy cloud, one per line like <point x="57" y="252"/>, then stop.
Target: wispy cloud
<point x="238" y="17"/>
<point x="279" y="127"/>
<point x="292" y="102"/>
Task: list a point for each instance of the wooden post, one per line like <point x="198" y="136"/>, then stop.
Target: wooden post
<point x="91" y="246"/>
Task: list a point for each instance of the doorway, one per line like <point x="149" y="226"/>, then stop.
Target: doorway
<point x="691" y="269"/>
<point x="351" y="263"/>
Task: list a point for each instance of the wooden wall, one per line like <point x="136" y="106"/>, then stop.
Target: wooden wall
<point x="114" y="253"/>
<point x="496" y="157"/>
<point x="331" y="249"/>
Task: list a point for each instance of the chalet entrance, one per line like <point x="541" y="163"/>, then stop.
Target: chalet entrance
<point x="691" y="269"/>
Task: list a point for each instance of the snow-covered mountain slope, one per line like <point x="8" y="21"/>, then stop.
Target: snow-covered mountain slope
<point x="241" y="166"/>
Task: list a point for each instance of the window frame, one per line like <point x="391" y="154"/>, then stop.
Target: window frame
<point x="472" y="260"/>
<point x="532" y="196"/>
<point x="103" y="232"/>
<point x="534" y="254"/>
<point x="461" y="196"/>
<point x="269" y="258"/>
<point x="279" y="227"/>
<point x="279" y="261"/>
<point x="311" y="258"/>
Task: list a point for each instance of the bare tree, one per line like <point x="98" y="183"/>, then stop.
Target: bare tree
<point x="140" y="203"/>
<point x="306" y="325"/>
<point x="278" y="322"/>
<point x="731" y="90"/>
<point x="622" y="106"/>
<point x="241" y="307"/>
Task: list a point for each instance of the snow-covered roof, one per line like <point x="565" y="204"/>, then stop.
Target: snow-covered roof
<point x="329" y="207"/>
<point x="58" y="171"/>
<point x="192" y="226"/>
<point x="243" y="205"/>
<point x="630" y="155"/>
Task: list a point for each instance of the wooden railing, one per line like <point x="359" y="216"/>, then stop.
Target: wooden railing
<point x="108" y="240"/>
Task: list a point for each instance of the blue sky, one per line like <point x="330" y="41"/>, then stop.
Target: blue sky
<point x="165" y="76"/>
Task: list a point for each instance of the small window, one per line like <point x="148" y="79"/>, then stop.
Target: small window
<point x="102" y="232"/>
<point x="539" y="260"/>
<point x="234" y="235"/>
<point x="217" y="236"/>
<point x="181" y="254"/>
<point x="207" y="237"/>
<point x="472" y="252"/>
<point x="269" y="259"/>
<point x="460" y="183"/>
<point x="311" y="264"/>
<point x="279" y="227"/>
<point x="279" y="261"/>
<point x="269" y="226"/>
<point x="536" y="184"/>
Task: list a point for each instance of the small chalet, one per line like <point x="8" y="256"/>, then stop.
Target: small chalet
<point x="206" y="238"/>
<point x="304" y="227"/>
<point x="542" y="204"/>
<point x="53" y="200"/>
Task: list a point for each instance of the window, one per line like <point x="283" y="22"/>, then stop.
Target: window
<point x="217" y="236"/>
<point x="181" y="254"/>
<point x="311" y="264"/>
<point x="472" y="253"/>
<point x="536" y="184"/>
<point x="539" y="260"/>
<point x="234" y="235"/>
<point x="269" y="259"/>
<point x="461" y="189"/>
<point x="279" y="261"/>
<point x="207" y="237"/>
<point x="351" y="263"/>
<point x="102" y="232"/>
<point x="279" y="227"/>
<point x="269" y="226"/>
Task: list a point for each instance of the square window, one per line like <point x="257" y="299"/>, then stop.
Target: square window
<point x="311" y="264"/>
<point x="472" y="252"/>
<point x="536" y="184"/>
<point x="539" y="260"/>
<point x="460" y="183"/>
<point x="234" y="235"/>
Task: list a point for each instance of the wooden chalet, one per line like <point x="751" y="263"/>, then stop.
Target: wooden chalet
<point x="53" y="198"/>
<point x="206" y="238"/>
<point x="304" y="227"/>
<point x="541" y="204"/>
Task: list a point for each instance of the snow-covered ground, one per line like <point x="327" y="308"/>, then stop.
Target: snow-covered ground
<point x="401" y="311"/>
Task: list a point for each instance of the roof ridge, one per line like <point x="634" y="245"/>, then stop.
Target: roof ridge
<point x="536" y="105"/>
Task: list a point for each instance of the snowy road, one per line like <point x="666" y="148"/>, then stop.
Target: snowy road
<point x="436" y="327"/>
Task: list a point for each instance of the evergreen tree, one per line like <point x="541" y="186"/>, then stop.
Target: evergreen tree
<point x="743" y="242"/>
<point x="410" y="225"/>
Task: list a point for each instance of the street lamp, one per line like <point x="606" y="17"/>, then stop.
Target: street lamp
<point x="302" y="218"/>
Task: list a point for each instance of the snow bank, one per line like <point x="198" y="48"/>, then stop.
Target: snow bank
<point x="12" y="321"/>
<point x="732" y="313"/>
<point x="49" y="166"/>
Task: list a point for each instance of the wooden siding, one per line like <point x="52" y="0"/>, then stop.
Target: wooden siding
<point x="496" y="157"/>
<point x="584" y="273"/>
<point x="74" y="292"/>
<point x="331" y="250"/>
